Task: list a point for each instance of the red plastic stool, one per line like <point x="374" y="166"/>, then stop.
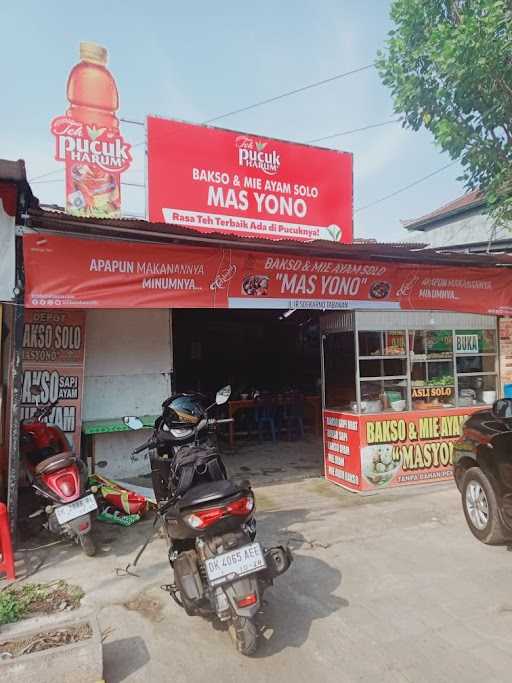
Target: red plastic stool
<point x="6" y="554"/>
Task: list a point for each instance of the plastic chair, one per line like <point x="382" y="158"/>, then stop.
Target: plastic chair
<point x="266" y="417"/>
<point x="6" y="554"/>
<point x="294" y="417"/>
<point x="246" y="420"/>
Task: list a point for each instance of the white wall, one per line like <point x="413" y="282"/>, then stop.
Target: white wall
<point x="127" y="362"/>
<point x="128" y="358"/>
<point x="7" y="254"/>
<point x="113" y="455"/>
<point x="460" y="230"/>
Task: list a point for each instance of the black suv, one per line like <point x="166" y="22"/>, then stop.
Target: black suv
<point x="482" y="467"/>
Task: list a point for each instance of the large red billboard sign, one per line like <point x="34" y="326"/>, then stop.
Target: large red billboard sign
<point x="216" y="180"/>
<point x="65" y="272"/>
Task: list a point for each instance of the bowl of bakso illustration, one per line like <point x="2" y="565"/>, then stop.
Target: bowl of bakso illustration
<point x="379" y="468"/>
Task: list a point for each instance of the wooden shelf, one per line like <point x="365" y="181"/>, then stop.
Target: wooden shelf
<point x="433" y="360"/>
<point x="383" y="357"/>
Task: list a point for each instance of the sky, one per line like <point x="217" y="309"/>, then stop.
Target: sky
<point x="194" y="61"/>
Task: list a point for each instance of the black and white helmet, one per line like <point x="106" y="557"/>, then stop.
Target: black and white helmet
<point x="182" y="415"/>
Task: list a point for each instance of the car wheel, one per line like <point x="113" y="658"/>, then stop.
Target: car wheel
<point x="480" y="506"/>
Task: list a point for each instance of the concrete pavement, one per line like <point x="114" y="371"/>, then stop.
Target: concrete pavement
<point x="391" y="587"/>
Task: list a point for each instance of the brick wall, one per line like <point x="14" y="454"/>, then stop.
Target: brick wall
<point x="505" y="334"/>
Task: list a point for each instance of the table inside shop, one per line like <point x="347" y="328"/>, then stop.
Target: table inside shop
<point x="312" y="406"/>
<point x="91" y="429"/>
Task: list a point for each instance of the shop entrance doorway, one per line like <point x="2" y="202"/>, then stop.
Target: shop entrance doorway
<point x="271" y="359"/>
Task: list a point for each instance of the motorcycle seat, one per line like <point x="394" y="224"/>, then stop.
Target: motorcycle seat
<point x="55" y="462"/>
<point x="209" y="492"/>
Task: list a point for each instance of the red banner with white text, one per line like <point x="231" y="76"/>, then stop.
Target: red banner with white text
<point x="65" y="272"/>
<point x="216" y="180"/>
<point x="53" y="360"/>
<point x="365" y="452"/>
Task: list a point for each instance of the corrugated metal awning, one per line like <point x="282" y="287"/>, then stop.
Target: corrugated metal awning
<point x="136" y="229"/>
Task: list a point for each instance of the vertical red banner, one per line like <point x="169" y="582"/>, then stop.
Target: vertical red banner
<point x="341" y="449"/>
<point x="53" y="360"/>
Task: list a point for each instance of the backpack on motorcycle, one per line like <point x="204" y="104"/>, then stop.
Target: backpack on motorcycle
<point x="196" y="465"/>
<point x="190" y="465"/>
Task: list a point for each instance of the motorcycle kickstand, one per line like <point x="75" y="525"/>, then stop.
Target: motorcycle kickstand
<point x="173" y="592"/>
<point x="128" y="569"/>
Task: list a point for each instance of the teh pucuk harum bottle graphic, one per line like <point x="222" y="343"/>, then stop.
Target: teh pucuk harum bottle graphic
<point x="89" y="140"/>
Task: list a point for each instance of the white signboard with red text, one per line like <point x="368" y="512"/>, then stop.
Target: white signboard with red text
<point x="216" y="180"/>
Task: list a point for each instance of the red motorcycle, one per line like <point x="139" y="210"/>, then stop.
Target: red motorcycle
<point x="59" y="477"/>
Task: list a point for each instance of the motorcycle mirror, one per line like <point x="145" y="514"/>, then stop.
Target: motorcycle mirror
<point x="223" y="395"/>
<point x="35" y="390"/>
<point x="133" y="422"/>
<point x="502" y="408"/>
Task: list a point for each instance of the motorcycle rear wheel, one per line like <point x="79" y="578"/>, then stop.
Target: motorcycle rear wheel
<point x="244" y="633"/>
<point x="88" y="544"/>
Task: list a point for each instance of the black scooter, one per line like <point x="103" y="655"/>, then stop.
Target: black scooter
<point x="220" y="570"/>
<point x="482" y="467"/>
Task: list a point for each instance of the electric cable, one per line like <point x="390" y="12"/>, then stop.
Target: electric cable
<point x="354" y="130"/>
<point x="288" y="93"/>
<point x="275" y="98"/>
<point x="45" y="182"/>
<point x="403" y="189"/>
<point x="332" y="135"/>
<point x="316" y="84"/>
<point x="44" y="175"/>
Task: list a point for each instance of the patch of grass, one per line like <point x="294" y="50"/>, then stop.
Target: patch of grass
<point x="10" y="608"/>
<point x="20" y="602"/>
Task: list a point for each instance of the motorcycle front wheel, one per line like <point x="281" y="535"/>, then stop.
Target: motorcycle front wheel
<point x="88" y="545"/>
<point x="244" y="633"/>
